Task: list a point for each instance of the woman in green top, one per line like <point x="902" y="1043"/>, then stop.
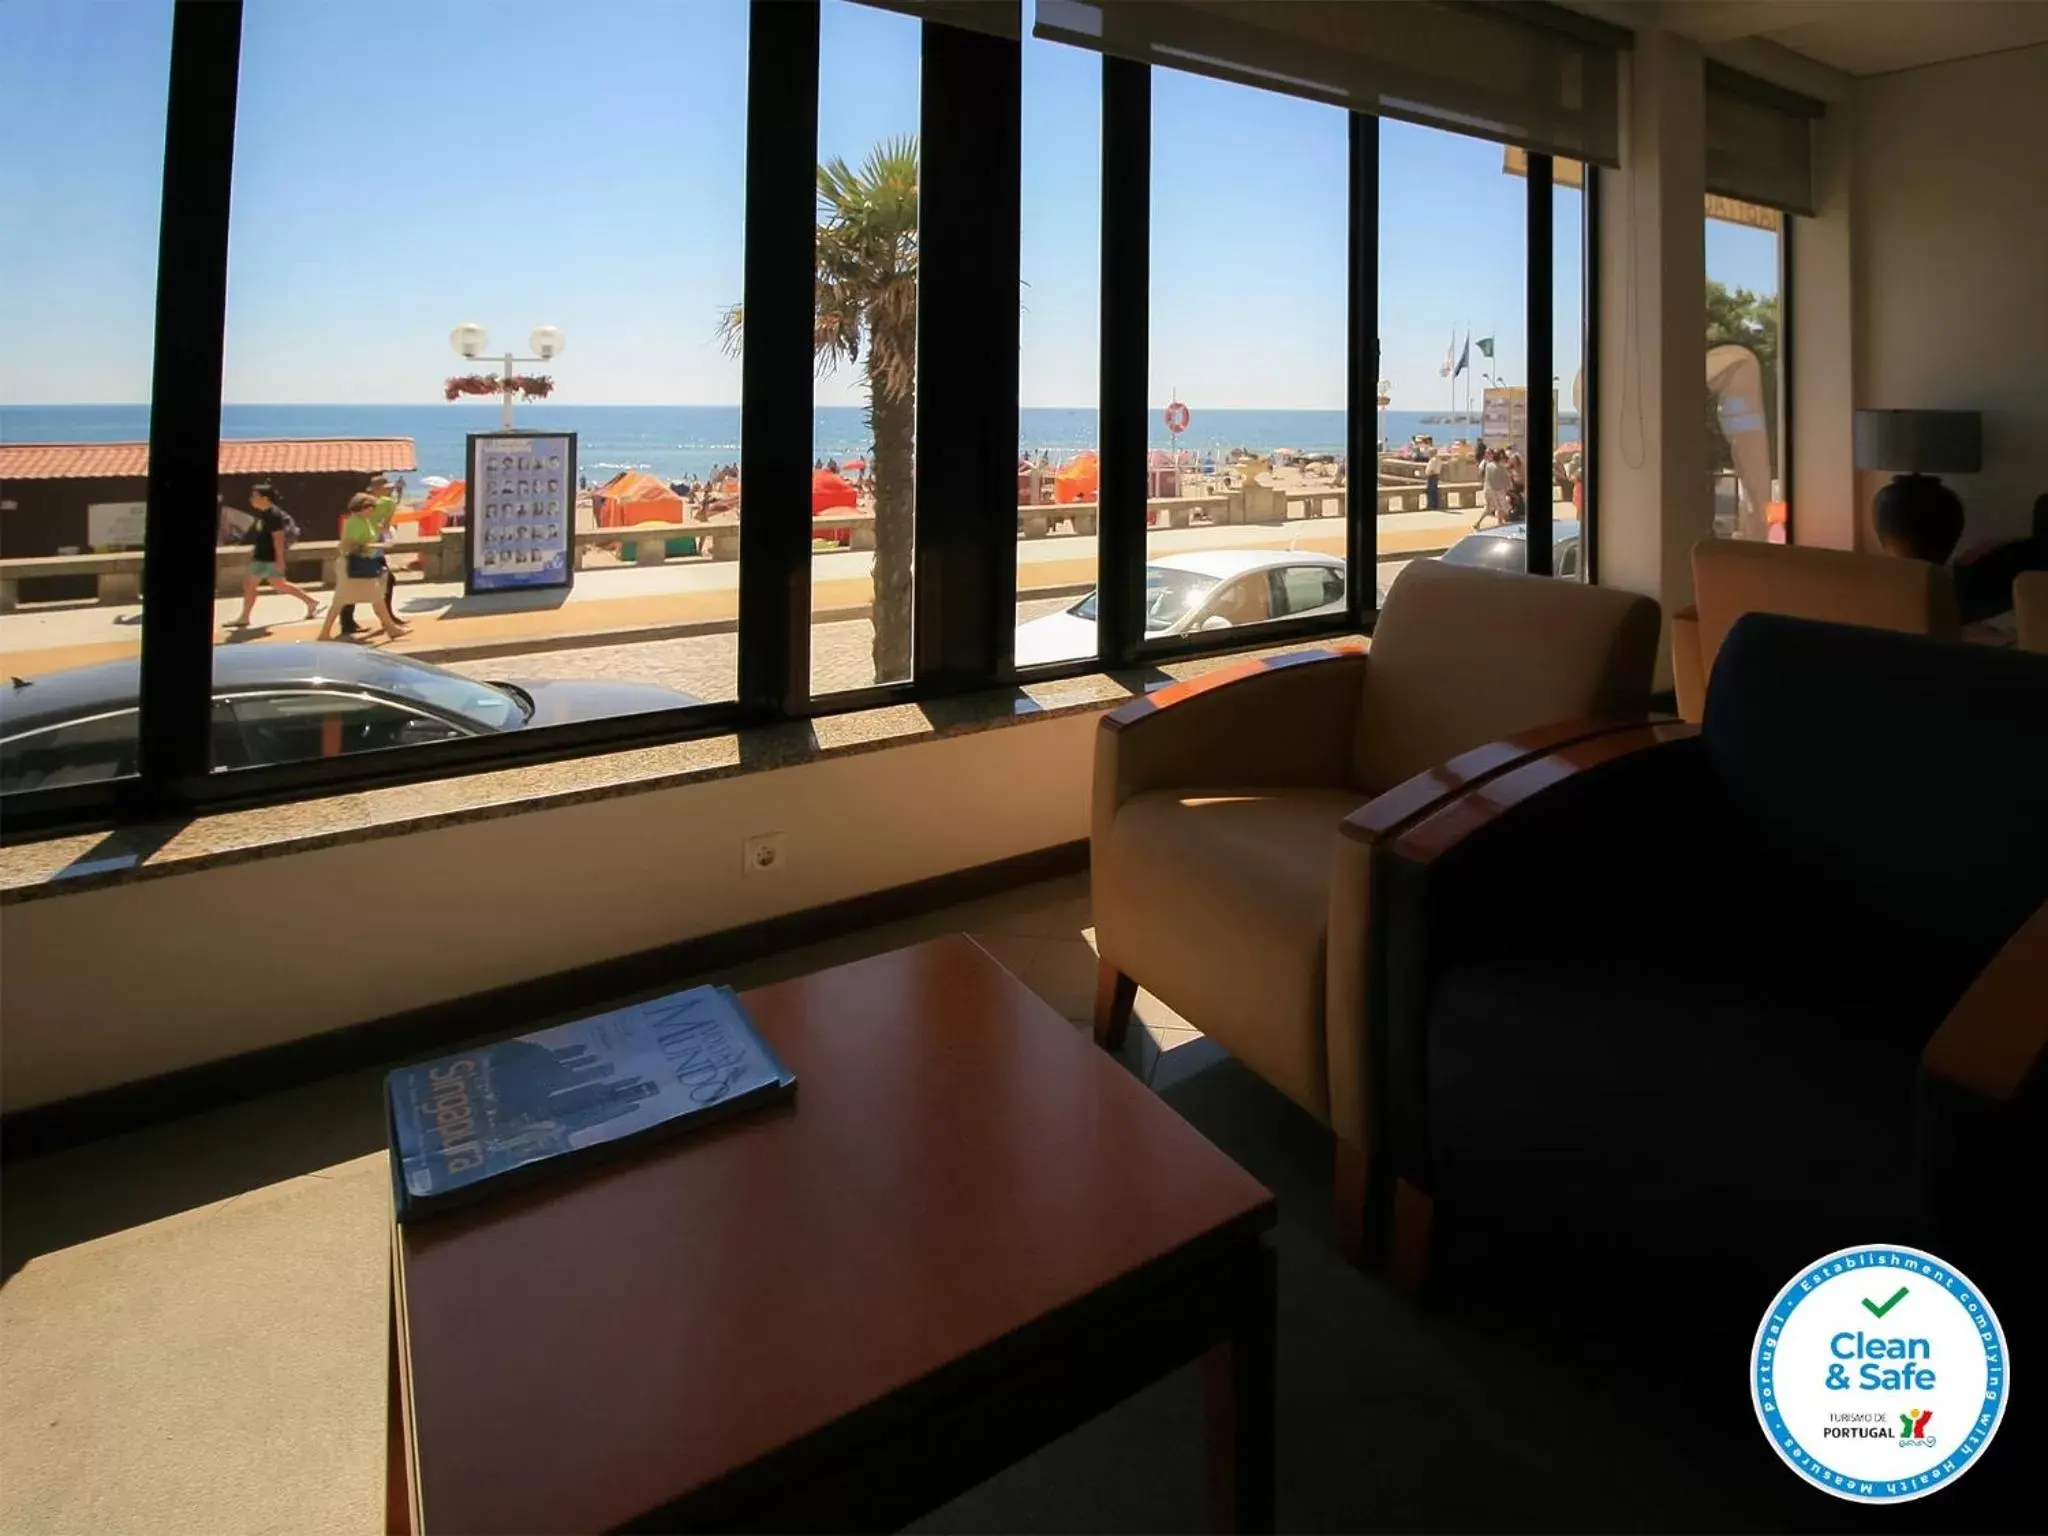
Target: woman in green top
<point x="361" y="576"/>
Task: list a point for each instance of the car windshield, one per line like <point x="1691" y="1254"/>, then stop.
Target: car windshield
<point x="1171" y="595"/>
<point x="482" y="704"/>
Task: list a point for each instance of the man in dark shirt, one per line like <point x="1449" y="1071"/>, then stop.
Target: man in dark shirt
<point x="267" y="539"/>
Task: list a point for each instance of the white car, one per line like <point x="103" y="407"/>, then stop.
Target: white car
<point x="1201" y="589"/>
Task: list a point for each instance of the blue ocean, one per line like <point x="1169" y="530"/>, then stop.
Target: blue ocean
<point x="677" y="442"/>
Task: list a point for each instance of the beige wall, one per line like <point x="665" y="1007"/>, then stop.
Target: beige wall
<point x="1951" y="265"/>
<point x="1655" y="499"/>
<point x="126" y="982"/>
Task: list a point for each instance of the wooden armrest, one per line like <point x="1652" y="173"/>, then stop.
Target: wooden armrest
<point x="1126" y="715"/>
<point x="1467" y="812"/>
<point x="1998" y="1030"/>
<point x="1388" y="813"/>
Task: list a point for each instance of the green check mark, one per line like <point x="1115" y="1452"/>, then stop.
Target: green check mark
<point x="1876" y="1311"/>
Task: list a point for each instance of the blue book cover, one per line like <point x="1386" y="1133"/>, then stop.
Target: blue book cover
<point x="486" y="1117"/>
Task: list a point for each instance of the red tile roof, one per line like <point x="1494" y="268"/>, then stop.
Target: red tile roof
<point x="247" y="456"/>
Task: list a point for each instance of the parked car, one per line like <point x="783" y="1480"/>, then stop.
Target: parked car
<point x="1507" y="548"/>
<point x="1195" y="590"/>
<point x="285" y="702"/>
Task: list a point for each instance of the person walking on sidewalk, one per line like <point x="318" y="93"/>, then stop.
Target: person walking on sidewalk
<point x="387" y="508"/>
<point x="1494" y="485"/>
<point x="1433" y="478"/>
<point x="268" y="536"/>
<point x="361" y="575"/>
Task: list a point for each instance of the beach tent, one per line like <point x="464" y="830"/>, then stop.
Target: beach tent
<point x="1078" y="479"/>
<point x="830" y="492"/>
<point x="447" y="501"/>
<point x="633" y="497"/>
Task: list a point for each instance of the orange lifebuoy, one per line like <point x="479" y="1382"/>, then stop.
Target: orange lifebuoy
<point x="1177" y="417"/>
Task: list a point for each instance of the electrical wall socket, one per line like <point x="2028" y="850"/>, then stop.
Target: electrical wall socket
<point x="764" y="853"/>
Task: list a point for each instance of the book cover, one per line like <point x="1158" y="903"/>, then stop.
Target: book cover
<point x="488" y="1118"/>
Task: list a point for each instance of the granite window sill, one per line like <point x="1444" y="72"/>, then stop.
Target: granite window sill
<point x="87" y="861"/>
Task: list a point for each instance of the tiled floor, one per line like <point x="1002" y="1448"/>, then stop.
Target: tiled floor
<point x="1040" y="933"/>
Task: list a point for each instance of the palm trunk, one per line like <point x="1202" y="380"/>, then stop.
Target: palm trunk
<point x="892" y="417"/>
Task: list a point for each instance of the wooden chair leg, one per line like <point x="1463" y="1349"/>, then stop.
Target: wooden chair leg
<point x="1348" y="1203"/>
<point x="1395" y="1237"/>
<point x="1408" y="1248"/>
<point x="1115" y="995"/>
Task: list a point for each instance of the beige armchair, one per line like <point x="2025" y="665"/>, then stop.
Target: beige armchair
<point x="2030" y="608"/>
<point x="1234" y="819"/>
<point x="1731" y="577"/>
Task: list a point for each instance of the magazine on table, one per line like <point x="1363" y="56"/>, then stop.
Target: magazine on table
<point x="485" y="1120"/>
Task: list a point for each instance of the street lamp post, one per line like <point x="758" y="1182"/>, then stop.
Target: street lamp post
<point x="547" y="341"/>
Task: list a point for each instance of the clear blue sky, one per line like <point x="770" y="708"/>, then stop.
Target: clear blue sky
<point x="403" y="166"/>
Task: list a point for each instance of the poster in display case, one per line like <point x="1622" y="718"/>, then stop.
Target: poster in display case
<point x="522" y="511"/>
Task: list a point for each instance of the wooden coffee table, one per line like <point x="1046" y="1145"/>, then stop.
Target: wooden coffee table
<point x="970" y="1232"/>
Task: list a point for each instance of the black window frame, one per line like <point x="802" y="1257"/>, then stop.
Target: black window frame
<point x="965" y="592"/>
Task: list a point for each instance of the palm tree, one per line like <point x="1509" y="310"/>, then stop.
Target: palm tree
<point x="866" y="309"/>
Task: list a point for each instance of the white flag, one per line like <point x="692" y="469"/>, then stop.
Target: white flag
<point x="1450" y="351"/>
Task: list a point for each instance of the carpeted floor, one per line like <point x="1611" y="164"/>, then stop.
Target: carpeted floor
<point x="1390" y="1418"/>
<point x="192" y="1337"/>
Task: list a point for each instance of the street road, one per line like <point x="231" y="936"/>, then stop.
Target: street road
<point x="707" y="666"/>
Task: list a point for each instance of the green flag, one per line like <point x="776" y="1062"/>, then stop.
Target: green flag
<point x="1485" y="346"/>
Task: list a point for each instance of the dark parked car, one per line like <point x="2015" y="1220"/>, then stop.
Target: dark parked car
<point x="284" y="702"/>
<point x="1507" y="548"/>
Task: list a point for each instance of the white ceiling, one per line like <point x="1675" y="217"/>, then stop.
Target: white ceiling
<point x="1866" y="37"/>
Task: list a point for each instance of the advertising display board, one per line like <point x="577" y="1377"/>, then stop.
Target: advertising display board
<point x="522" y="511"/>
<point x="1506" y="420"/>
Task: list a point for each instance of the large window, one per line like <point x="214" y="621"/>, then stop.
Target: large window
<point x="1059" y="360"/>
<point x="864" y="486"/>
<point x="82" y="93"/>
<point x="1455" y="476"/>
<point x="1570" y="548"/>
<point x="1744" y="357"/>
<point x="1041" y="357"/>
<point x="562" y="552"/>
<point x="1246" y="478"/>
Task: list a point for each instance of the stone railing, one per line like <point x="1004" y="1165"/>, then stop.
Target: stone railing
<point x="443" y="558"/>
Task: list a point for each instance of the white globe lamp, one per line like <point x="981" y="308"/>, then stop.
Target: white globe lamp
<point x="469" y="339"/>
<point x="548" y="341"/>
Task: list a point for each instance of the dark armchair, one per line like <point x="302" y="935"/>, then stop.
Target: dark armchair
<point x="1760" y="989"/>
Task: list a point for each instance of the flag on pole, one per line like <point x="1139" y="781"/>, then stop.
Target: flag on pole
<point x="1485" y="345"/>
<point x="1465" y="357"/>
<point x="1445" y="371"/>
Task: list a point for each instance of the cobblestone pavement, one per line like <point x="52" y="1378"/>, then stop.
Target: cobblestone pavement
<point x="707" y="666"/>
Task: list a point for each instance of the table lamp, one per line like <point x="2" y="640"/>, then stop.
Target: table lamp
<point x="1916" y="514"/>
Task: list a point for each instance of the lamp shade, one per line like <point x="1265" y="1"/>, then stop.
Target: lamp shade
<point x="1920" y="442"/>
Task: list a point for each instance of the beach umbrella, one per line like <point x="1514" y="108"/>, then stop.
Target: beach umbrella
<point x="829" y="491"/>
<point x="856" y="465"/>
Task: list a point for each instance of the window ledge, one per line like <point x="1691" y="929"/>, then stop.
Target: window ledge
<point x="87" y="861"/>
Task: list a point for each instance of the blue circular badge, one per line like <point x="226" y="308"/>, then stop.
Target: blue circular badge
<point x="1880" y="1374"/>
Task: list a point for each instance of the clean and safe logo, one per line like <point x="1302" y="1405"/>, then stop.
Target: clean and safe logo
<point x="1859" y="1356"/>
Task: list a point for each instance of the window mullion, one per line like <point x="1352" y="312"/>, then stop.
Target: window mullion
<point x="965" y="570"/>
<point x="1362" y="454"/>
<point x="1126" y="351"/>
<point x="776" y="369"/>
<point x="1541" y="457"/>
<point x="185" y="396"/>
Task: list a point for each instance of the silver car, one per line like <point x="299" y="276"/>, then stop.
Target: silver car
<point x="286" y="702"/>
<point x="1204" y="589"/>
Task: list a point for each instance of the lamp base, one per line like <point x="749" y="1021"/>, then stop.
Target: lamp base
<point x="1919" y="517"/>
